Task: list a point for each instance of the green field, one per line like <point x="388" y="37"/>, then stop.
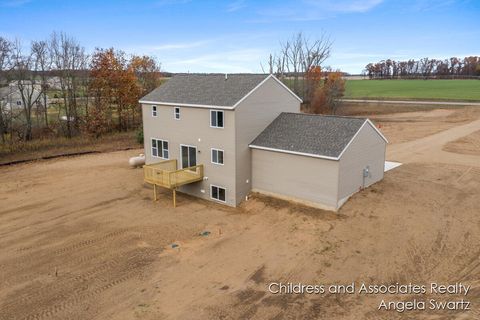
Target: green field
<point x="467" y="90"/>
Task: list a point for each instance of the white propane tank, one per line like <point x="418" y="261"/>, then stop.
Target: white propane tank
<point x="137" y="161"/>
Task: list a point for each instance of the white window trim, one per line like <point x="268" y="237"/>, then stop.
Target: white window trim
<point x="217" y="127"/>
<point x="180" y="154"/>
<point x="151" y="148"/>
<point x="154" y="112"/>
<point x="175" y="113"/>
<point x="222" y="201"/>
<point x="211" y="156"/>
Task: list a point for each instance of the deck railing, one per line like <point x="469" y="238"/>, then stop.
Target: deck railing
<point x="166" y="174"/>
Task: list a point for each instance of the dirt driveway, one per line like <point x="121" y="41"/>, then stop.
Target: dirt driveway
<point x="81" y="238"/>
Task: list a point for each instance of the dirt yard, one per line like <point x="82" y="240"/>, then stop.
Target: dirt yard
<point x="81" y="238"/>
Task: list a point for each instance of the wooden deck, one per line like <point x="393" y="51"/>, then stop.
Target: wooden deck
<point x="165" y="174"/>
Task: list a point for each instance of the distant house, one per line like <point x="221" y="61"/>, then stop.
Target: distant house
<point x="54" y="83"/>
<point x="11" y="98"/>
<point x="219" y="137"/>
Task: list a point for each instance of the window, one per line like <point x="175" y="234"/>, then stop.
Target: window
<point x="217" y="156"/>
<point x="19" y="103"/>
<point x="216" y="119"/>
<point x="189" y="156"/>
<point x="217" y="193"/>
<point x="176" y="113"/>
<point x="160" y="148"/>
<point x="154" y="111"/>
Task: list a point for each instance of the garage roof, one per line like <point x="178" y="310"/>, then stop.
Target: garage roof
<point x="311" y="135"/>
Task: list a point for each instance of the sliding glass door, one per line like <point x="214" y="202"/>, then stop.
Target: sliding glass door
<point x="189" y="156"/>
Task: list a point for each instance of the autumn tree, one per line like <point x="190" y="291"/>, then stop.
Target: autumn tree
<point x="115" y="91"/>
<point x="313" y="80"/>
<point x="327" y="97"/>
<point x="147" y="71"/>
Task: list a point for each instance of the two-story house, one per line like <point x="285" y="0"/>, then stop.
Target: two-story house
<point x="211" y="120"/>
<point x="219" y="137"/>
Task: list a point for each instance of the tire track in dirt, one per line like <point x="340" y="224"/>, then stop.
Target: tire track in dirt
<point x="123" y="243"/>
<point x="471" y="271"/>
<point x="90" y="273"/>
<point x="102" y="278"/>
<point x="85" y="212"/>
<point x="34" y="205"/>
<point x="29" y="260"/>
<point x="90" y="242"/>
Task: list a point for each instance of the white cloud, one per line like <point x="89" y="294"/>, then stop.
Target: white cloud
<point x="426" y="5"/>
<point x="175" y="46"/>
<point x="236" y="5"/>
<point x="162" y="3"/>
<point x="13" y="3"/>
<point x="311" y="10"/>
<point x="237" y="61"/>
<point x="345" y="5"/>
<point x="355" y="55"/>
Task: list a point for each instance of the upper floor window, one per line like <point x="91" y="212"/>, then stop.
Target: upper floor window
<point x="154" y="111"/>
<point x="176" y="113"/>
<point x="19" y="103"/>
<point x="216" y="118"/>
<point x="160" y="148"/>
<point x="217" y="156"/>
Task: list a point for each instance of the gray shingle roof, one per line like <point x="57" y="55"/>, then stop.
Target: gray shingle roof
<point x="319" y="135"/>
<point x="205" y="89"/>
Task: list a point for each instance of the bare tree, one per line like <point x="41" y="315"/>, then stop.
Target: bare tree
<point x="41" y="55"/>
<point x="25" y="67"/>
<point x="6" y="47"/>
<point x="296" y="57"/>
<point x="68" y="59"/>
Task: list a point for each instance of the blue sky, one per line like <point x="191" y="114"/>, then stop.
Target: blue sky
<point x="236" y="35"/>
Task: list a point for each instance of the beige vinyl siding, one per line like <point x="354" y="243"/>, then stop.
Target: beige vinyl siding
<point x="194" y="129"/>
<point x="366" y="149"/>
<point x="302" y="178"/>
<point x="252" y="116"/>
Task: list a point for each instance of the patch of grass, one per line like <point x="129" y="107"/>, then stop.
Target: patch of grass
<point x="50" y="147"/>
<point x="466" y="90"/>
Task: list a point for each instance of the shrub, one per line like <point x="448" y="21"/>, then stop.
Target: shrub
<point x="140" y="135"/>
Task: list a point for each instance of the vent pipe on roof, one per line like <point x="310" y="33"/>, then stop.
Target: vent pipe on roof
<point x="226" y="76"/>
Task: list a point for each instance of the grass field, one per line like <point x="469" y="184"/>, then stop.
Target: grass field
<point x="468" y="90"/>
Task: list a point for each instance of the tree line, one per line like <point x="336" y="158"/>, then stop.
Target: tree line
<point x="453" y="68"/>
<point x="63" y="90"/>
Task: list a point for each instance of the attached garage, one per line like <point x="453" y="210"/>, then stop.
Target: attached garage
<point x="318" y="160"/>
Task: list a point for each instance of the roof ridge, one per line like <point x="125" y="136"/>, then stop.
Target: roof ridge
<point x="326" y="115"/>
<point x="205" y="90"/>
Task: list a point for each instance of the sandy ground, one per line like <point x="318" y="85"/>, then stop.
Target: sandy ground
<point x="81" y="238"/>
<point x="467" y="145"/>
<point x="408" y="126"/>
